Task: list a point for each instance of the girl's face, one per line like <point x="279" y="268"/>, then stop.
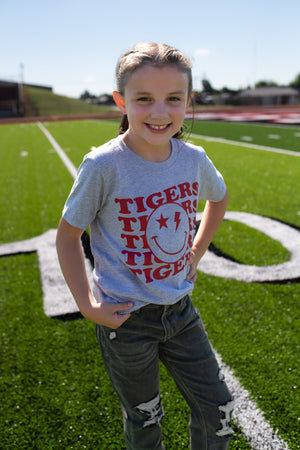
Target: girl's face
<point x="155" y="101"/>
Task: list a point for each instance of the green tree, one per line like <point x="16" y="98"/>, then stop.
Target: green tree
<point x="86" y="95"/>
<point x="296" y="82"/>
<point x="265" y="83"/>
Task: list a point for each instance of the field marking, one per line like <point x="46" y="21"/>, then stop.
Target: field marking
<point x="288" y="236"/>
<point x="57" y="297"/>
<point x="243" y="144"/>
<point x="67" y="162"/>
<point x="249" y="417"/>
<point x="247" y="138"/>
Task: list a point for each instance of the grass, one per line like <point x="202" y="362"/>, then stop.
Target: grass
<point x="237" y="236"/>
<point x="52" y="400"/>
<point x="255" y="329"/>
<point x="258" y="182"/>
<point x="55" y="389"/>
<point x="41" y="102"/>
<point x="286" y="137"/>
<point x="77" y="137"/>
<point x="35" y="183"/>
<point x="57" y="394"/>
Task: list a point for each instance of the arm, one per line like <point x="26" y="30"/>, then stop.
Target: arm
<point x="212" y="217"/>
<point x="71" y="258"/>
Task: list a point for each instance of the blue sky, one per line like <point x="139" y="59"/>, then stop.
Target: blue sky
<point x="74" y="45"/>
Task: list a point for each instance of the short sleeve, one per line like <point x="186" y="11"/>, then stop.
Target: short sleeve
<point x="213" y="187"/>
<point x="84" y="201"/>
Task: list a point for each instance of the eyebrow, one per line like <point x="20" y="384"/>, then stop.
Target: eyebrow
<point x="179" y="92"/>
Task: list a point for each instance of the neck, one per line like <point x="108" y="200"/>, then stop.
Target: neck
<point x="150" y="153"/>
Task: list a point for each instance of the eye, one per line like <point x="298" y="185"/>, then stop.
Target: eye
<point x="174" y="99"/>
<point x="143" y="99"/>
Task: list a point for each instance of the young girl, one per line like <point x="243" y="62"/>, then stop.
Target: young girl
<point x="139" y="194"/>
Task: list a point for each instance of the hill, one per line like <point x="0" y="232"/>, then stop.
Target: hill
<point x="42" y="102"/>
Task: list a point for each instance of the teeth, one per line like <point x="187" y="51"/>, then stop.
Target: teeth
<point x="158" y="127"/>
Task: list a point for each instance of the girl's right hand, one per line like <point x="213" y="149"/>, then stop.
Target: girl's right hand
<point x="71" y="258"/>
<point x="109" y="314"/>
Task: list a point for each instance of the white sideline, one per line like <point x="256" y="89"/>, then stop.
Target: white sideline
<point x="246" y="414"/>
<point x="67" y="162"/>
<point x="249" y="417"/>
<point x="245" y="144"/>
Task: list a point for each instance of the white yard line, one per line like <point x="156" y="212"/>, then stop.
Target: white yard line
<point x="243" y="144"/>
<point x="246" y="414"/>
<point x="249" y="417"/>
<point x="67" y="162"/>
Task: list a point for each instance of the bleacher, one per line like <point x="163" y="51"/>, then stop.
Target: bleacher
<point x="11" y="99"/>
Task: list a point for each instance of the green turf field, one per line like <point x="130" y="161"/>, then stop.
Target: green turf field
<point x="54" y="389"/>
<point x="286" y="137"/>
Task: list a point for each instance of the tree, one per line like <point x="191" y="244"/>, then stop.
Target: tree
<point x="296" y="82"/>
<point x="207" y="87"/>
<point x="265" y="83"/>
<point x="86" y="95"/>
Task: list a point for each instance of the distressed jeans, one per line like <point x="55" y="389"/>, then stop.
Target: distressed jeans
<point x="175" y="335"/>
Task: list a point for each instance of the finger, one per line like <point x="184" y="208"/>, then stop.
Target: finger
<point x="194" y="278"/>
<point x="191" y="273"/>
<point x="118" y="320"/>
<point x="115" y="307"/>
<point x="123" y="317"/>
<point x="123" y="306"/>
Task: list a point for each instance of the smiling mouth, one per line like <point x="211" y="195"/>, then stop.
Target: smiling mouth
<point x="170" y="253"/>
<point x="158" y="127"/>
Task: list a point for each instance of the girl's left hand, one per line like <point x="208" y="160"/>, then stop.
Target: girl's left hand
<point x="192" y="275"/>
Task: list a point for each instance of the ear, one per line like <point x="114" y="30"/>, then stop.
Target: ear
<point x="189" y="100"/>
<point x="119" y="101"/>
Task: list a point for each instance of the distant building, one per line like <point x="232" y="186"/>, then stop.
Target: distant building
<point x="264" y="96"/>
<point x="12" y="98"/>
<point x="104" y="99"/>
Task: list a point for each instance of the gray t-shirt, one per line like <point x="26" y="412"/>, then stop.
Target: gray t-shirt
<point x="142" y="218"/>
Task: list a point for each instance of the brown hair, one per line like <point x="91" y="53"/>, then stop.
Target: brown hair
<point x="155" y="55"/>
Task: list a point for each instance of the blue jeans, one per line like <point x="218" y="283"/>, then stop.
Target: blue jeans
<point x="175" y="335"/>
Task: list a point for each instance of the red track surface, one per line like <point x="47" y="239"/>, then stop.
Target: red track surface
<point x="278" y="115"/>
<point x="55" y="118"/>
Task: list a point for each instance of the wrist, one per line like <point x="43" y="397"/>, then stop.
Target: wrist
<point x="89" y="307"/>
<point x="196" y="254"/>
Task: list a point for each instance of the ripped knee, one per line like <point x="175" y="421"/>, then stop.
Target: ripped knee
<point x="151" y="411"/>
<point x="225" y="411"/>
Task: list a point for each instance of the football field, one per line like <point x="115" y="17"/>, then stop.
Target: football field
<point x="55" y="393"/>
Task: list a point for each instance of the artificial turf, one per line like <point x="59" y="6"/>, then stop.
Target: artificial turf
<point x="55" y="389"/>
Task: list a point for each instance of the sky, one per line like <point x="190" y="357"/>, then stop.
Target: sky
<point x="74" y="45"/>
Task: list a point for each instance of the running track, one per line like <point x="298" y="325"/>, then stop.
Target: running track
<point x="284" y="116"/>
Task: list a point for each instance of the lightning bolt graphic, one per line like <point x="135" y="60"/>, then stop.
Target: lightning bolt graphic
<point x="177" y="219"/>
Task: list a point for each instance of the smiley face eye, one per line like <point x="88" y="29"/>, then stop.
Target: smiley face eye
<point x="162" y="221"/>
<point x="177" y="219"/>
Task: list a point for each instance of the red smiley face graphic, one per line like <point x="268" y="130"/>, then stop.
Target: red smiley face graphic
<point x="167" y="232"/>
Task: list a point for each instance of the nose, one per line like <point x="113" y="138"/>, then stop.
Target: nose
<point x="159" y="109"/>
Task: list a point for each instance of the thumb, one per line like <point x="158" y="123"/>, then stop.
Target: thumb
<point x="191" y="272"/>
<point x="123" y="306"/>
